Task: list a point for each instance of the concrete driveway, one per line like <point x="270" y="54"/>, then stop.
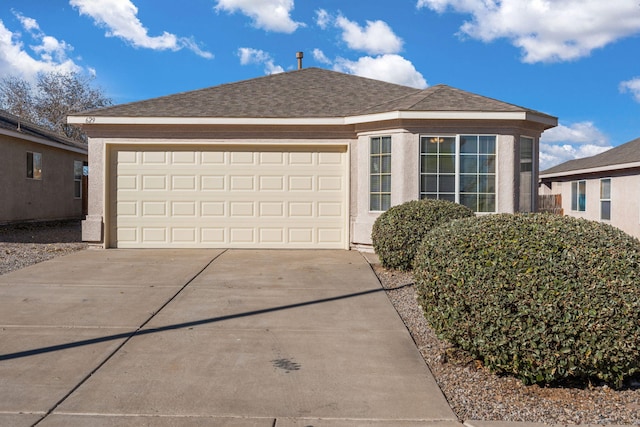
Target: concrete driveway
<point x="208" y="338"/>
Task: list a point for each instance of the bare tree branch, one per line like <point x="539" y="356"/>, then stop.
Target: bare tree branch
<point x="56" y="95"/>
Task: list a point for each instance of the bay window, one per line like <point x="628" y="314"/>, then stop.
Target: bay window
<point x="460" y="169"/>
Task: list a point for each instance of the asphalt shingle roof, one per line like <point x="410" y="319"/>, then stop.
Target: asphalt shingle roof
<point x="11" y="122"/>
<point x="622" y="154"/>
<point x="310" y="92"/>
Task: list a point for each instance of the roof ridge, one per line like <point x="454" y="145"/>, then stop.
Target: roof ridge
<point x="241" y="82"/>
<point x="495" y="100"/>
<point x="391" y="101"/>
<point x="432" y="90"/>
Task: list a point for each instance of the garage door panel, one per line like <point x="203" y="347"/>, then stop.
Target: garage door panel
<point x="192" y="198"/>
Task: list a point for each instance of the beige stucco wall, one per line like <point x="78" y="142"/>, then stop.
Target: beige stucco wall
<point x="26" y="199"/>
<point x="405" y="159"/>
<point x="405" y="177"/>
<point x="100" y="150"/>
<point x="93" y="224"/>
<point x="625" y="200"/>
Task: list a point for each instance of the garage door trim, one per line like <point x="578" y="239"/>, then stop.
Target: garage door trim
<point x="112" y="149"/>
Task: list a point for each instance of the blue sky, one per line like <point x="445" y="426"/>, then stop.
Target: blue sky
<point x="578" y="60"/>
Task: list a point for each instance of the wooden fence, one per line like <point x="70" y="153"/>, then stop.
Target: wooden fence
<point x="551" y="203"/>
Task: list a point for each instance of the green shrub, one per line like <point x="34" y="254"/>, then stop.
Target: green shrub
<point x="542" y="297"/>
<point x="397" y="232"/>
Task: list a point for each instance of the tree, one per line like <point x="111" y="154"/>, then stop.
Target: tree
<point x="55" y="96"/>
<point x="16" y="96"/>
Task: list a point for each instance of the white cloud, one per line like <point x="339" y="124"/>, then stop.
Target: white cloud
<point x="632" y="86"/>
<point x="28" y="24"/>
<point x="49" y="54"/>
<point x="562" y="143"/>
<point x="319" y="56"/>
<point x="546" y="30"/>
<point x="323" y="18"/>
<point x="581" y="132"/>
<point x="255" y="56"/>
<point x="120" y="19"/>
<point x="269" y="15"/>
<point x="390" y="68"/>
<point x="376" y="38"/>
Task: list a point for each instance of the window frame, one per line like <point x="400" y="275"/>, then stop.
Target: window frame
<point x="578" y="205"/>
<point x="77" y="179"/>
<point x="34" y="159"/>
<point x="382" y="196"/>
<point x="605" y="200"/>
<point x="474" y="157"/>
<point x="527" y="204"/>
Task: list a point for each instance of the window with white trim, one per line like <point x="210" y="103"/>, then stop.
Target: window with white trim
<point x="605" y="199"/>
<point x="526" y="174"/>
<point x="78" y="168"/>
<point x="34" y="165"/>
<point x="380" y="173"/>
<point x="579" y="196"/>
<point x="460" y="169"/>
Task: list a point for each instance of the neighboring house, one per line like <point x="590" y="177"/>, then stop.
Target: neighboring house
<point x="41" y="173"/>
<point x="303" y="159"/>
<point x="604" y="187"/>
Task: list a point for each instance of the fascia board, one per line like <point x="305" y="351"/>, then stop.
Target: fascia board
<point x="105" y="120"/>
<point x="609" y="168"/>
<point x="439" y="115"/>
<point x="317" y="121"/>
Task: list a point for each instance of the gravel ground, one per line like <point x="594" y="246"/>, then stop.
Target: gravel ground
<point x="472" y="391"/>
<point x="26" y="244"/>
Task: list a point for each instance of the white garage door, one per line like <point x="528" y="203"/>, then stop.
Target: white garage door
<point x="273" y="198"/>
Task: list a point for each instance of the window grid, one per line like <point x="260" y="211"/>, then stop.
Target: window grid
<point x="460" y="169"/>
<point x="526" y="174"/>
<point x="380" y="173"/>
<point x="605" y="199"/>
<point x="438" y="167"/>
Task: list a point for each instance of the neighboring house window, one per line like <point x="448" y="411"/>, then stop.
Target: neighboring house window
<point x="579" y="196"/>
<point x="380" y="174"/>
<point x="34" y="165"/>
<point x="605" y="199"/>
<point x="461" y="169"/>
<point x="78" y="168"/>
<point x="526" y="174"/>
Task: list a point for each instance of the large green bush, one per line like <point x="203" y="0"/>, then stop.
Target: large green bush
<point x="542" y="297"/>
<point x="397" y="232"/>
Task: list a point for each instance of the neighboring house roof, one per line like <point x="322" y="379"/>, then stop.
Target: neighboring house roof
<point x="15" y="126"/>
<point x="305" y="94"/>
<point x="621" y="157"/>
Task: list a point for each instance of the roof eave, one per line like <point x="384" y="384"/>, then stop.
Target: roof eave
<point x="106" y="120"/>
<point x="547" y="121"/>
<point x="586" y="171"/>
<point x="42" y="141"/>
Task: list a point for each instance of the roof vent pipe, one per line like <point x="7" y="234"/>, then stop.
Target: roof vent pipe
<point x="299" y="56"/>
